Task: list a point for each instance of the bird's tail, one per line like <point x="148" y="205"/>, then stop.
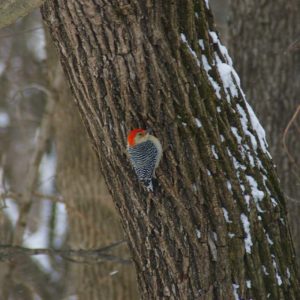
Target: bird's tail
<point x="149" y="185"/>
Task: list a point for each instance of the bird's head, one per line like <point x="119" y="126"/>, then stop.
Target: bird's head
<point x="137" y="136"/>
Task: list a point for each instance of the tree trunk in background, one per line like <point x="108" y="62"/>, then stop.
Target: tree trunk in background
<point x="92" y="219"/>
<point x="215" y="228"/>
<point x="260" y="34"/>
<point x="21" y="277"/>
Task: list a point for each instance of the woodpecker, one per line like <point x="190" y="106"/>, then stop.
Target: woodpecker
<point x="145" y="152"/>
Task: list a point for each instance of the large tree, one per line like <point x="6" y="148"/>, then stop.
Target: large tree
<point x="268" y="60"/>
<point x="215" y="227"/>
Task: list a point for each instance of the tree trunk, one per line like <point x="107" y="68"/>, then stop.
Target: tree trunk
<point x="92" y="218"/>
<point x="215" y="227"/>
<point x="269" y="68"/>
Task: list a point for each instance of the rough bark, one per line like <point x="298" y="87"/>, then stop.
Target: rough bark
<point x="141" y="64"/>
<point x="92" y="218"/>
<point x="261" y="38"/>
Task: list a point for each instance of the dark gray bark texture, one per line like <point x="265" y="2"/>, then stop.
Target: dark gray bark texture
<point x="215" y="227"/>
<point x="264" y="39"/>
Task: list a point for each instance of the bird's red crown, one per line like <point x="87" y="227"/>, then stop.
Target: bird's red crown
<point x="132" y="134"/>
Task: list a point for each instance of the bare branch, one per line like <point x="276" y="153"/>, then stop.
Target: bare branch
<point x="11" y="10"/>
<point x="21" y="32"/>
<point x="33" y="169"/>
<point x="18" y="196"/>
<point x="9" y="252"/>
<point x="286" y="131"/>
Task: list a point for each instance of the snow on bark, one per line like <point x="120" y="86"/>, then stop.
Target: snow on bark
<point x="247" y="240"/>
<point x="235" y="291"/>
<point x="231" y="82"/>
<point x="226" y="215"/>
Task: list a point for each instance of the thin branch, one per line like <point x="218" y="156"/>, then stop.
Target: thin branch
<point x="21" y="32"/>
<point x="9" y="252"/>
<point x="285" y="133"/>
<point x="33" y="169"/>
<point x="294" y="46"/>
<point x="18" y="196"/>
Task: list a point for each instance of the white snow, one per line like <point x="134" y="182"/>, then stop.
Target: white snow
<point x="207" y="5"/>
<point x="215" y="236"/>
<point x="236" y="134"/>
<point x="214" y="37"/>
<point x="201" y="44"/>
<point x="242" y="187"/>
<point x="244" y="122"/>
<point x="114" y="272"/>
<point x="229" y="187"/>
<point x="265" y="270"/>
<point x="213" y="149"/>
<point x="288" y="273"/>
<point x="248" y="284"/>
<point x="225" y="72"/>
<point x="231" y="235"/>
<point x="278" y="277"/>
<point x="226" y="215"/>
<point x="205" y="63"/>
<point x="183" y="38"/>
<point x="207" y="68"/>
<point x="257" y="194"/>
<point x="198" y="233"/>
<point x="247" y="240"/>
<point x="198" y="123"/>
<point x="259" y="129"/>
<point x="231" y="81"/>
<point x="4" y="119"/>
<point x="251" y="160"/>
<point x="247" y="199"/>
<point x="269" y="240"/>
<point x="279" y="280"/>
<point x="194" y="188"/>
<point x="235" y="291"/>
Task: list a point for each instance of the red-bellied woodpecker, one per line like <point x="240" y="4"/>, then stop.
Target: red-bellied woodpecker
<point x="145" y="152"/>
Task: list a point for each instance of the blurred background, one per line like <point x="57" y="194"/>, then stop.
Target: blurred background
<point x="52" y="193"/>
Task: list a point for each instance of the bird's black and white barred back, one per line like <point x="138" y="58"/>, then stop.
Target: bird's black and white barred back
<point x="144" y="158"/>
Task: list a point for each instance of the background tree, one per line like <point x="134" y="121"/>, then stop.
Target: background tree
<point x="263" y="41"/>
<point x="216" y="227"/>
<point x="21" y="112"/>
<point x="40" y="129"/>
